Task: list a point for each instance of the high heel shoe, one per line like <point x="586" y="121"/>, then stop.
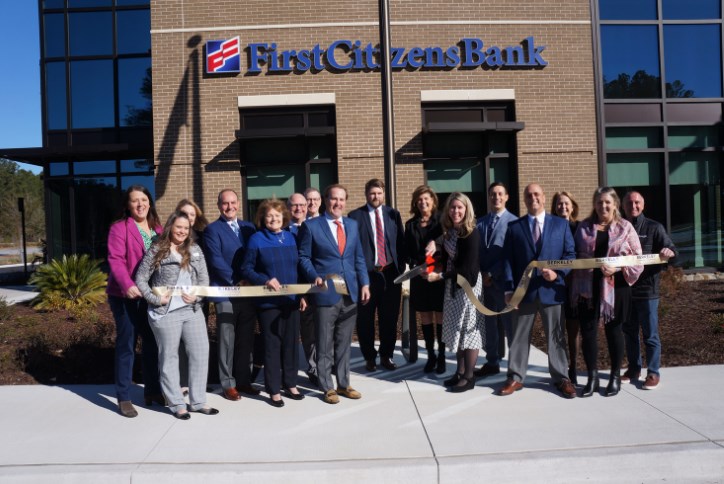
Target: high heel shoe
<point x="451" y="382"/>
<point x="592" y="385"/>
<point x="468" y="385"/>
<point x="614" y="385"/>
<point x="431" y="362"/>
<point x="151" y="399"/>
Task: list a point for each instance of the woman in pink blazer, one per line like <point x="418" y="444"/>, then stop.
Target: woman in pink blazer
<point x="128" y="240"/>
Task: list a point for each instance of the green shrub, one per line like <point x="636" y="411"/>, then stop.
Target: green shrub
<point x="6" y="310"/>
<point x="69" y="283"/>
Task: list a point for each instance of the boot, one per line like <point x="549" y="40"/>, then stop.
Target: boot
<point x="428" y="332"/>
<point x="592" y="384"/>
<point x="614" y="384"/>
<point x="440" y="369"/>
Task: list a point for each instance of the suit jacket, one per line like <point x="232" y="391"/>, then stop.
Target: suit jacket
<point x="491" y="252"/>
<point x="394" y="236"/>
<point x="319" y="256"/>
<point x="224" y="252"/>
<point x="519" y="250"/>
<point x="125" y="251"/>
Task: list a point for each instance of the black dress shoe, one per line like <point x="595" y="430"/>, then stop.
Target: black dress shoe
<point x="248" y="389"/>
<point x="614" y="385"/>
<point x="293" y="396"/>
<point x="468" y="385"/>
<point x="451" y="382"/>
<point x="276" y="403"/>
<point x="151" y="399"/>
<point x="182" y="416"/>
<point x="207" y="411"/>
<point x="388" y="364"/>
<point x="487" y="370"/>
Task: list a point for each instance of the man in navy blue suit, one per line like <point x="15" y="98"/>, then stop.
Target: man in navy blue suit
<point x="537" y="236"/>
<point x="328" y="245"/>
<point x="383" y="245"/>
<point x="225" y="242"/>
<point x="492" y="228"/>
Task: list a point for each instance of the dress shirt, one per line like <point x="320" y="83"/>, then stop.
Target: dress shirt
<point x="373" y="223"/>
<point x="333" y="226"/>
<point x="540" y="218"/>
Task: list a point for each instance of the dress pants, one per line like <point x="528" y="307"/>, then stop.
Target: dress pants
<point x="495" y="300"/>
<point x="334" y="326"/>
<point x="309" y="338"/>
<point x="183" y="324"/>
<point x="279" y="328"/>
<point x="132" y="320"/>
<point x="644" y="313"/>
<point x="235" y="320"/>
<point x="523" y="320"/>
<point x="385" y="302"/>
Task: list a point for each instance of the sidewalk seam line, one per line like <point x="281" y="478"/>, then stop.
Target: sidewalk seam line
<point x="424" y="428"/>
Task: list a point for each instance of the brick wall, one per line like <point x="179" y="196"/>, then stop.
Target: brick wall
<point x="195" y="116"/>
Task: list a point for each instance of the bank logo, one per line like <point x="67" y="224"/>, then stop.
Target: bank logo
<point x="223" y="56"/>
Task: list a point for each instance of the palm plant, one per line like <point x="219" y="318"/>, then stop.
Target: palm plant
<point x="69" y="283"/>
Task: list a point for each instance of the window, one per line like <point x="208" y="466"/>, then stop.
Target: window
<point x="134" y="31"/>
<point x="633" y="138"/>
<point x="686" y="9"/>
<point x="91" y="33"/>
<point x="93" y="167"/>
<point x="692" y="55"/>
<point x="92" y="94"/>
<point x="54" y="34"/>
<point x="55" y="101"/>
<point x="627" y="9"/>
<point x="630" y="57"/>
<point x="134" y="92"/>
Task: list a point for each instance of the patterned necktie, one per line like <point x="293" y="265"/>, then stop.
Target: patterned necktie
<point x="341" y="238"/>
<point x="491" y="228"/>
<point x="380" y="239"/>
<point x="536" y="234"/>
<point x="235" y="227"/>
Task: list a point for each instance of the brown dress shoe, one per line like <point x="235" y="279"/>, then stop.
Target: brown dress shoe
<point x="126" y="409"/>
<point x="387" y="363"/>
<point x="652" y="382"/>
<point x="330" y="396"/>
<point x="231" y="394"/>
<point x="349" y="392"/>
<point x="630" y="375"/>
<point x="248" y="389"/>
<point x="509" y="387"/>
<point x="566" y="388"/>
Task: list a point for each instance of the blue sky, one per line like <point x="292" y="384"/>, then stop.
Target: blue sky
<point x="20" y="125"/>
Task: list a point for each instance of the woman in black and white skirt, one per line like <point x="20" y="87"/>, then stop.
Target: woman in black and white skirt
<point x="462" y="325"/>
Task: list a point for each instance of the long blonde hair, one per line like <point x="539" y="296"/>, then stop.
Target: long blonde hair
<point x="468" y="224"/>
<point x="164" y="243"/>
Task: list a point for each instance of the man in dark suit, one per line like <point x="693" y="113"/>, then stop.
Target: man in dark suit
<point x="492" y="228"/>
<point x="383" y="245"/>
<point x="330" y="244"/>
<point x="537" y="236"/>
<point x="225" y="242"/>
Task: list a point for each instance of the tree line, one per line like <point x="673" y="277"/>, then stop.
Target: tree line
<point x="15" y="183"/>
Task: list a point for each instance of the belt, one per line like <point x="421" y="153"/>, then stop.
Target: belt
<point x="382" y="268"/>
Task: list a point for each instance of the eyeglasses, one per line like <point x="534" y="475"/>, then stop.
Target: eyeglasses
<point x="298" y="204"/>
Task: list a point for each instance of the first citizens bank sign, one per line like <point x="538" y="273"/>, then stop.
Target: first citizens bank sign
<point x="224" y="56"/>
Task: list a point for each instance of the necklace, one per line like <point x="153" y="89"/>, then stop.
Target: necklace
<point x="280" y="236"/>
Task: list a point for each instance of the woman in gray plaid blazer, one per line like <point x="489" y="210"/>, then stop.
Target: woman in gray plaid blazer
<point x="175" y="260"/>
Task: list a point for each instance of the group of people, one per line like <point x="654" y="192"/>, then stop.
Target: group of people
<point x="298" y="242"/>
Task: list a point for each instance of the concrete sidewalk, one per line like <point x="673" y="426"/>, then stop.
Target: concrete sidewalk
<point x="406" y="428"/>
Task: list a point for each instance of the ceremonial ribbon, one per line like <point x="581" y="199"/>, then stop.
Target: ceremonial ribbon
<point x="522" y="288"/>
<point x="252" y="291"/>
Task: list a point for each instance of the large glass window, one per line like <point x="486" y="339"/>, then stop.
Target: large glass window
<point x="134" y="31"/>
<point x="92" y="94"/>
<point x="134" y="92"/>
<point x="55" y="100"/>
<point x="633" y="138"/>
<point x="630" y="57"/>
<point x="58" y="216"/>
<point x="627" y="9"/>
<point x="91" y="33"/>
<point x="95" y="200"/>
<point x="89" y="3"/>
<point x="643" y="172"/>
<point x="94" y="167"/>
<point x="54" y="34"/>
<point x="686" y="9"/>
<point x="692" y="55"/>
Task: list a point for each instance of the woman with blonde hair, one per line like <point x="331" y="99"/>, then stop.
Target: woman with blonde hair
<point x="462" y="326"/>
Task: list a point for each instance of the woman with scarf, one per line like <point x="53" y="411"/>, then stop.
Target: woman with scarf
<point x="603" y="295"/>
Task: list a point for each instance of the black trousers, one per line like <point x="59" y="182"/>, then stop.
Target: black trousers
<point x="280" y="330"/>
<point x="385" y="303"/>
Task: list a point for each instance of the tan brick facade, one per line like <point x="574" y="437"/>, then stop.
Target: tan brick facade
<point x="195" y="116"/>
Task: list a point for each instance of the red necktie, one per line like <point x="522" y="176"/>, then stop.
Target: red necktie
<point x="341" y="238"/>
<point x="380" y="239"/>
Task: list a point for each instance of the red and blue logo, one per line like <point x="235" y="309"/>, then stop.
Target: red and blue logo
<point x="223" y="56"/>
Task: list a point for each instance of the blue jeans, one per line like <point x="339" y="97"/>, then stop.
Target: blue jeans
<point x="131" y="321"/>
<point x="644" y="314"/>
<point x="495" y="300"/>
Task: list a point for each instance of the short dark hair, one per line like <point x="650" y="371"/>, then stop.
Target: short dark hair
<point x="152" y="217"/>
<point x="331" y="187"/>
<point x="497" y="184"/>
<point x="374" y="183"/>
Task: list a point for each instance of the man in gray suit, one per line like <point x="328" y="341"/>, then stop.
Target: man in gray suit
<point x="492" y="228"/>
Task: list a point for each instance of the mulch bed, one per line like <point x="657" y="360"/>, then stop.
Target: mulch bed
<point x="61" y="348"/>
